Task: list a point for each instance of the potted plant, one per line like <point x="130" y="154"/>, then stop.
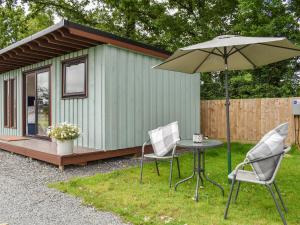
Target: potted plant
<point x="48" y="133"/>
<point x="64" y="134"/>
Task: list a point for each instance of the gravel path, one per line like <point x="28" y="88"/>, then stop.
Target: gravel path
<point x="25" y="198"/>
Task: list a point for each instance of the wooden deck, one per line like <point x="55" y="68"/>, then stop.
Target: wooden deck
<point x="46" y="151"/>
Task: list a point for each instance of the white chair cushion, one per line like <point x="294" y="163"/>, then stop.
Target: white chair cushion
<point x="164" y="138"/>
<point x="271" y="144"/>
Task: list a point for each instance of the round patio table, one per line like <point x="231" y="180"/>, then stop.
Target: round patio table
<point x="199" y="150"/>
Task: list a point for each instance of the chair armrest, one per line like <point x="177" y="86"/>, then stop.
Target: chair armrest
<point x="265" y="158"/>
<point x="241" y="165"/>
<point x="144" y="145"/>
<point x="174" y="149"/>
<point x="286" y="149"/>
<point x="247" y="162"/>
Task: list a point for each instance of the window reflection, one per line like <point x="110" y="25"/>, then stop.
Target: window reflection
<point x="74" y="78"/>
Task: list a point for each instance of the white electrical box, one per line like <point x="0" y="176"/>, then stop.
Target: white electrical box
<point x="296" y="107"/>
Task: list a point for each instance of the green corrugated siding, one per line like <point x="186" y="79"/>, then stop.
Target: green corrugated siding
<point x="84" y="112"/>
<point x="126" y="98"/>
<point x="139" y="98"/>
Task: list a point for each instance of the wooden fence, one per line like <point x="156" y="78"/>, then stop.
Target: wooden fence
<point x="250" y="119"/>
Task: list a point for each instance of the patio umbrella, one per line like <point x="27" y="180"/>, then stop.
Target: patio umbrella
<point x="230" y="52"/>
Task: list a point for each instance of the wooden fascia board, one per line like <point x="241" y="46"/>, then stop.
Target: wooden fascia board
<point x="117" y="43"/>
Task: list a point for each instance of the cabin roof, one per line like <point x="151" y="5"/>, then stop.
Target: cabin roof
<point x="62" y="38"/>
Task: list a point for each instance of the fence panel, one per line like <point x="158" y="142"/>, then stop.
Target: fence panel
<point x="250" y="118"/>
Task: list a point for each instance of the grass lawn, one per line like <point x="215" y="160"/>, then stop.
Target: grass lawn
<point x="154" y="203"/>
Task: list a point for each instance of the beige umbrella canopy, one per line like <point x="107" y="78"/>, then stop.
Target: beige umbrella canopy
<point x="230" y="52"/>
<point x="242" y="53"/>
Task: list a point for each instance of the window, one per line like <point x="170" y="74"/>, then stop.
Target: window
<point x="10" y="107"/>
<point x="74" y="78"/>
<point x="6" y="105"/>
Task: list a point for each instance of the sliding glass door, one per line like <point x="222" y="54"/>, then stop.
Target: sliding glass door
<point x="37" y="105"/>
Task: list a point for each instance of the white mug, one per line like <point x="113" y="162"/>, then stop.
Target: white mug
<point x="197" y="138"/>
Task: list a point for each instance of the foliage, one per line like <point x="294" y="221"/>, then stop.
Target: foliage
<point x="171" y="24"/>
<point x="64" y="132"/>
<point x="11" y="16"/>
<point x="263" y="18"/>
<point x="15" y="24"/>
<point x="153" y="202"/>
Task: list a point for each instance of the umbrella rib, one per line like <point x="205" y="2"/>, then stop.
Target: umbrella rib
<point x="188" y="53"/>
<point x="176" y="57"/>
<point x="276" y="46"/>
<point x="252" y="63"/>
<point x="230" y="51"/>
<point x="220" y="52"/>
<point x="204" y="60"/>
<point x="237" y="49"/>
<point x="211" y="52"/>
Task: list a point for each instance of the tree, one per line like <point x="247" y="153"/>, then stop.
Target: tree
<point x="16" y="24"/>
<point x="263" y="18"/>
<point x="11" y="17"/>
<point x="68" y="9"/>
<point x="171" y="24"/>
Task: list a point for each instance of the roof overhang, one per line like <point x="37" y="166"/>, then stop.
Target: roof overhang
<point x="62" y="38"/>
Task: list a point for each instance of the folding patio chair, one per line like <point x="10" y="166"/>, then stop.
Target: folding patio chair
<point x="265" y="159"/>
<point x="163" y="140"/>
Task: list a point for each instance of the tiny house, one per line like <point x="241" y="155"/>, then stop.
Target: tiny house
<point x="102" y="82"/>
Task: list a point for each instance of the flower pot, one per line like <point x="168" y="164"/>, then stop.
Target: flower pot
<point x="65" y="147"/>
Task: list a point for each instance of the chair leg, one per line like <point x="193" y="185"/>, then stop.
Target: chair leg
<point x="178" y="167"/>
<point x="141" y="176"/>
<point x="277" y="204"/>
<point x="280" y="197"/>
<point x="171" y="172"/>
<point x="156" y="165"/>
<point x="237" y="192"/>
<point x="229" y="198"/>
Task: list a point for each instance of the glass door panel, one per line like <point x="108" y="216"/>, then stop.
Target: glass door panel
<point x="30" y="104"/>
<point x="37" y="103"/>
<point x="42" y="104"/>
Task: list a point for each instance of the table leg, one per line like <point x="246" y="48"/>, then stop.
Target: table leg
<point x="197" y="188"/>
<point x="190" y="177"/>
<point x="184" y="180"/>
<point x="202" y="180"/>
<point x="198" y="169"/>
<point x="207" y="178"/>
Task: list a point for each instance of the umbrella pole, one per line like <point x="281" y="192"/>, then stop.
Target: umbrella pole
<point x="227" y="104"/>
